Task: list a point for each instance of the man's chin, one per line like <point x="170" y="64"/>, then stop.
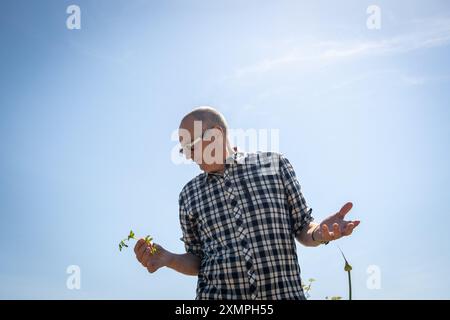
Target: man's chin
<point x="205" y="167"/>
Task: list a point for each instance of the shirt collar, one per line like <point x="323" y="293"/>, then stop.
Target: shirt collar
<point x="235" y="158"/>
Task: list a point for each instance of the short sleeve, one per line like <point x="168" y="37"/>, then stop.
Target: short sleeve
<point x="189" y="228"/>
<point x="299" y="209"/>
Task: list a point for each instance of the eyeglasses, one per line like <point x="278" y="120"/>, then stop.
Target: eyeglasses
<point x="190" y="146"/>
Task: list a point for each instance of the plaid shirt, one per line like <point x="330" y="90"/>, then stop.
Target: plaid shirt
<point x="242" y="224"/>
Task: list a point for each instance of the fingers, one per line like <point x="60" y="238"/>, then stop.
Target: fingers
<point x="345" y="209"/>
<point x="151" y="267"/>
<point x="138" y="245"/>
<point x="348" y="229"/>
<point x="148" y="253"/>
<point x="146" y="256"/>
<point x="144" y="251"/>
<point x="157" y="262"/>
<point x="326" y="235"/>
<point x="140" y="251"/>
<point x="336" y="231"/>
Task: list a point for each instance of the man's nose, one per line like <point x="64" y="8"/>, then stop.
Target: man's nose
<point x="188" y="154"/>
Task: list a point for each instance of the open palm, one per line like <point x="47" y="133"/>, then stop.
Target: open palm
<point x="335" y="227"/>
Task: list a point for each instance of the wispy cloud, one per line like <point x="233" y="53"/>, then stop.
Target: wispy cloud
<point x="413" y="80"/>
<point x="426" y="34"/>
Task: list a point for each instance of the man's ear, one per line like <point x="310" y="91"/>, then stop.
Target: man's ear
<point x="216" y="132"/>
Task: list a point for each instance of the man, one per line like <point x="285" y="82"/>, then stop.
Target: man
<point x="240" y="219"/>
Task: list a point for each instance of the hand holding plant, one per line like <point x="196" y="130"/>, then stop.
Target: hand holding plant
<point x="151" y="255"/>
<point x="152" y="260"/>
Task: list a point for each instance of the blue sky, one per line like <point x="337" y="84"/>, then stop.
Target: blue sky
<point x="86" y="118"/>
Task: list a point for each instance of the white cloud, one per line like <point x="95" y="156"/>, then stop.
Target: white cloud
<point x="413" y="81"/>
<point x="426" y="34"/>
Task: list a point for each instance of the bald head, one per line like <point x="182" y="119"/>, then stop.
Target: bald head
<point x="209" y="117"/>
<point x="203" y="137"/>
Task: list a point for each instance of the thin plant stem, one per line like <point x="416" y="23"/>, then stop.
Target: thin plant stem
<point x="349" y="286"/>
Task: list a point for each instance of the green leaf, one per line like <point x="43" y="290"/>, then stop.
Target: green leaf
<point x="131" y="235"/>
<point x="122" y="244"/>
<point x="148" y="239"/>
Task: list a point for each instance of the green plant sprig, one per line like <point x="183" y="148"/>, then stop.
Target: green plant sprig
<point x="131" y="235"/>
<point x="307" y="288"/>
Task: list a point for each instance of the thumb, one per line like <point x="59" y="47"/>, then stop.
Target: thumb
<point x="345" y="209"/>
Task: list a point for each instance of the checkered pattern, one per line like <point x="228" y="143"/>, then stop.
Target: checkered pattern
<point x="243" y="224"/>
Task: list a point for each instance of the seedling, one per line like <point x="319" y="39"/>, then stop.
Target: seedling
<point x="131" y="235"/>
<point x="307" y="287"/>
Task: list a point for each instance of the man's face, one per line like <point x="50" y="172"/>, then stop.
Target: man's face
<point x="205" y="146"/>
